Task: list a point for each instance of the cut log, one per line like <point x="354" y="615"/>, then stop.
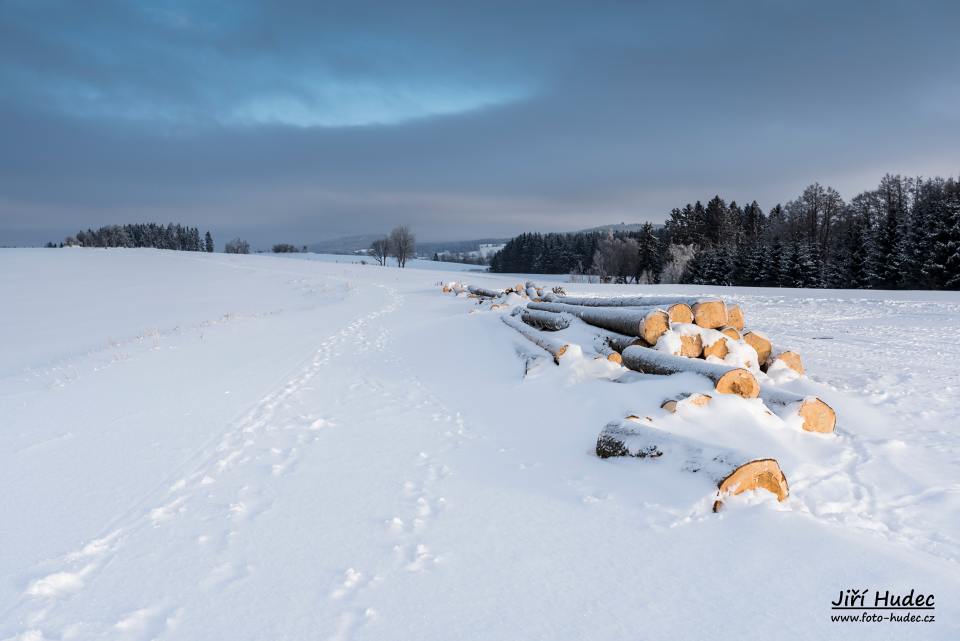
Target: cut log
<point x="761" y="344"/>
<point x="710" y="313"/>
<point x="691" y="345"/>
<point x="732" y="472"/>
<point x="735" y="317"/>
<point x="816" y="415"/>
<point x="677" y="310"/>
<point x="691" y="340"/>
<point x="695" y="400"/>
<point x="619" y="342"/>
<point x="556" y="347"/>
<point x="731" y="332"/>
<point x="715" y="344"/>
<point x="648" y="324"/>
<point x="483" y="291"/>
<point x="726" y="380"/>
<point x="547" y="321"/>
<point x="613" y="356"/>
<point x="532" y="292"/>
<point x="790" y="359"/>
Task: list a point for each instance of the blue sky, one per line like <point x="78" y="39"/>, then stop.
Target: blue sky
<point x="307" y="120"/>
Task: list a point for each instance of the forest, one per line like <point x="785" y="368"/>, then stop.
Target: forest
<point x="905" y="234"/>
<point x="154" y="235"/>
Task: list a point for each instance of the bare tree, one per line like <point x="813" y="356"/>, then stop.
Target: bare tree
<point x="380" y="250"/>
<point x="237" y="246"/>
<point x="403" y="244"/>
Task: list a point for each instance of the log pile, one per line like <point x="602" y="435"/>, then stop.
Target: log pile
<point x="662" y="336"/>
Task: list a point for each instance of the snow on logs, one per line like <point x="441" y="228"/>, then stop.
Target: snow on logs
<point x="684" y="400"/>
<point x="733" y="472"/>
<point x="557" y="348"/>
<point x="726" y="379"/>
<point x="814" y="414"/>
<point x="649" y="324"/>
<point x="787" y="359"/>
<point x="678" y="310"/>
<point x="487" y="293"/>
<point x="547" y="321"/>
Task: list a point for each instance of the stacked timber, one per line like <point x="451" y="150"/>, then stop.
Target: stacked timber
<point x="731" y="472"/>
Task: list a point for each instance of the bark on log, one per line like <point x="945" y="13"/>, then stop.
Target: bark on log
<point x="761" y="344"/>
<point x="790" y="359"/>
<point x="695" y="399"/>
<point x="817" y="416"/>
<point x="547" y="321"/>
<point x="648" y="324"/>
<point x="733" y="472"/>
<point x="735" y="317"/>
<point x="483" y="291"/>
<point x="619" y="342"/>
<point x="710" y="313"/>
<point x="677" y="310"/>
<point x="726" y="380"/>
<point x="555" y="346"/>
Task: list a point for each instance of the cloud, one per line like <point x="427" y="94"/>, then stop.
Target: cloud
<point x="304" y="120"/>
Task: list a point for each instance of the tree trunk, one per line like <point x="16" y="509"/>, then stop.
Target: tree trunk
<point x="678" y="309"/>
<point x="482" y="291"/>
<point x="817" y="416"/>
<point x="710" y="314"/>
<point x="735" y="317"/>
<point x="732" y="472"/>
<point x="790" y="359"/>
<point x="761" y="344"/>
<point x="726" y="380"/>
<point x="649" y="324"/>
<point x="547" y="321"/>
<point x="556" y="347"/>
<point x="694" y="400"/>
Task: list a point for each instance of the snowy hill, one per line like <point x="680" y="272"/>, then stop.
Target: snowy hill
<point x="204" y="446"/>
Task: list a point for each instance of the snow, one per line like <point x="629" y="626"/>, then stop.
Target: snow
<point x="255" y="447"/>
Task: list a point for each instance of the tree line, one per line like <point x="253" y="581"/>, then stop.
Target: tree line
<point x="154" y="235"/>
<point x="905" y="234"/>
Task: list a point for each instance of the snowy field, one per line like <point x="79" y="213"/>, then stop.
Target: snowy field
<point x="203" y="446"/>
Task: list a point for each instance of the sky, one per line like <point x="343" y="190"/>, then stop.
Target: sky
<point x="307" y="120"/>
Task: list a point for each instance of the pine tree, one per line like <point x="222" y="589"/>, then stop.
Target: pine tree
<point x="208" y="243"/>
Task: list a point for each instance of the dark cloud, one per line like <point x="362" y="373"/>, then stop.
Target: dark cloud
<point x="304" y="120"/>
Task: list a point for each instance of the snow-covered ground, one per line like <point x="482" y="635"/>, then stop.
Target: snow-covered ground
<point x="225" y="447"/>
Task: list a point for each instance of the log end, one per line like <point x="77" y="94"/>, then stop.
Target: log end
<point x="614" y="357"/>
<point x="680" y="313"/>
<point x="718" y="348"/>
<point x="760" y="343"/>
<point x="762" y="474"/>
<point x="740" y="382"/>
<point x="735" y="317"/>
<point x="697" y="400"/>
<point x="817" y="416"/>
<point x="731" y="332"/>
<point x="654" y="325"/>
<point x="710" y="314"/>
<point x="691" y="346"/>
<point x="791" y="360"/>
